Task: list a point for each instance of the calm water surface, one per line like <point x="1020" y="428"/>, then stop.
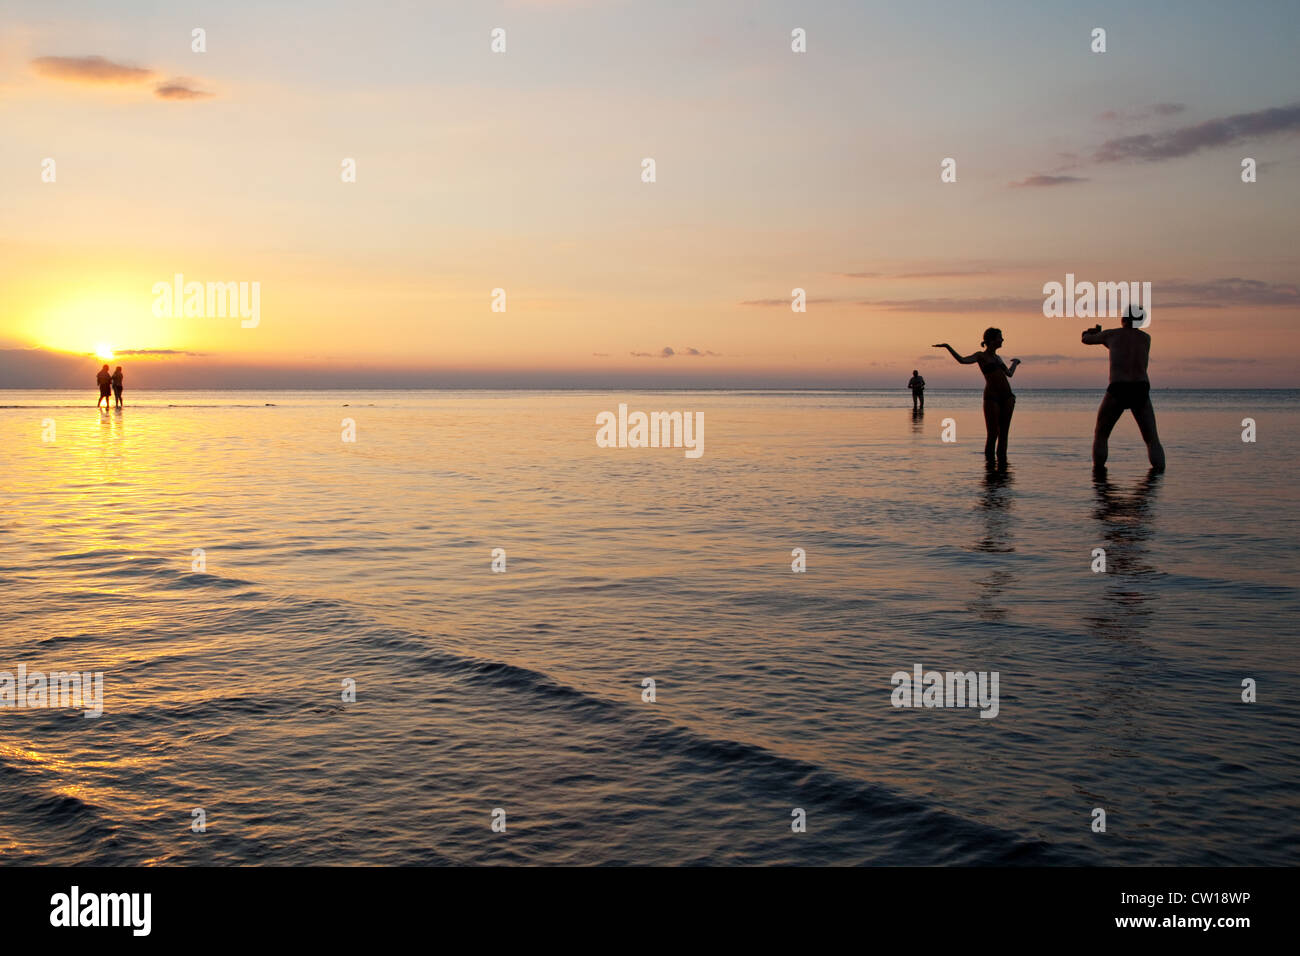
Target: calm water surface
<point x="370" y="561"/>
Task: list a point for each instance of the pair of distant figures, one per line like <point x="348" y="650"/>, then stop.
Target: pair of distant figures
<point x="107" y="381"/>
<point x="1129" y="390"/>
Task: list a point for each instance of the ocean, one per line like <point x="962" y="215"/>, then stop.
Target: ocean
<point x="238" y="573"/>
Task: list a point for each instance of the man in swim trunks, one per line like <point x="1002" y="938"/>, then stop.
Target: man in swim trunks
<point x="1129" y="389"/>
<point x="917" y="385"/>
<point x="105" y="380"/>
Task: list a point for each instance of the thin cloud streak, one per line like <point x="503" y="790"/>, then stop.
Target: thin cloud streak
<point x="1158" y="109"/>
<point x="89" y="69"/>
<point x="985" y="304"/>
<point x="139" y="352"/>
<point x="669" y="352"/>
<point x="101" y="71"/>
<point x="1220" y="293"/>
<point x="1169" y="294"/>
<point x="1155" y="147"/>
<point x="941" y="273"/>
<point x="180" y="89"/>
<point x="1040" y="180"/>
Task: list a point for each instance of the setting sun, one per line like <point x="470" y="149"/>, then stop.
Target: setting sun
<point x="104" y="351"/>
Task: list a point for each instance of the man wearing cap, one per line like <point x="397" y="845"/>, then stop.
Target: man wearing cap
<point x="1129" y="388"/>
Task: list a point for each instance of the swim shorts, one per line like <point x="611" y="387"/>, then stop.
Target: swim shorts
<point x="1130" y="395"/>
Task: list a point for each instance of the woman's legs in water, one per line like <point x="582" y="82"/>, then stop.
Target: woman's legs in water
<point x="1005" y="408"/>
<point x="992" y="424"/>
<point x="997" y="426"/>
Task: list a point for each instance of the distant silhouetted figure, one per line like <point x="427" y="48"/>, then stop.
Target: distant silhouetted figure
<point x="105" y="380"/>
<point x="117" y="386"/>
<point x="999" y="402"/>
<point x="917" y="385"/>
<point x="1129" y="389"/>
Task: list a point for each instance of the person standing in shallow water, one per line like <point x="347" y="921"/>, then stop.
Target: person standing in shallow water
<point x="117" y="386"/>
<point x="105" y="382"/>
<point x="917" y="385"/>
<point x="999" y="401"/>
<point x="1129" y="389"/>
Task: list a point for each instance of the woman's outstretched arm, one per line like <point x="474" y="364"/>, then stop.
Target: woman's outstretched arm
<point x="964" y="360"/>
<point x="1011" y="369"/>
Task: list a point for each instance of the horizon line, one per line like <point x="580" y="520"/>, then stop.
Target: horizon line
<point x="618" y="388"/>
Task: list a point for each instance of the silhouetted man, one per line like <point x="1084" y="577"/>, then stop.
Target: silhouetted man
<point x="105" y="380"/>
<point x="1129" y="389"/>
<point x="917" y="385"/>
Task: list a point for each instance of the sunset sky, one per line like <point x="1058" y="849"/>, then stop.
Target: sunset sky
<point x="522" y="171"/>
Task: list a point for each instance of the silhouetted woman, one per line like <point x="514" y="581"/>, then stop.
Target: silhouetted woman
<point x="117" y="385"/>
<point x="999" y="402"/>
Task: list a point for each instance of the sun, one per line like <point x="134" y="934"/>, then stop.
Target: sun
<point x="104" y="351"/>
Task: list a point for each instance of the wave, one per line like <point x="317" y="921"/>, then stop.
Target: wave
<point x="917" y="833"/>
<point x="56" y="817"/>
<point x="879" y="825"/>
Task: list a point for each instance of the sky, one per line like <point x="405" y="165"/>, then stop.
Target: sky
<point x="522" y="171"/>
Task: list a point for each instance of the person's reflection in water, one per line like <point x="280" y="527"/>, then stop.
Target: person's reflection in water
<point x="995" y="503"/>
<point x="110" y="425"/>
<point x="1121" y="663"/>
<point x="918" y="421"/>
<point x="1127" y="524"/>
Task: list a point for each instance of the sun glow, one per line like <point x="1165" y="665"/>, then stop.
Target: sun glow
<point x="98" y="322"/>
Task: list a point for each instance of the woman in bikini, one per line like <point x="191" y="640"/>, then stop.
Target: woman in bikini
<point x="999" y="402"/>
